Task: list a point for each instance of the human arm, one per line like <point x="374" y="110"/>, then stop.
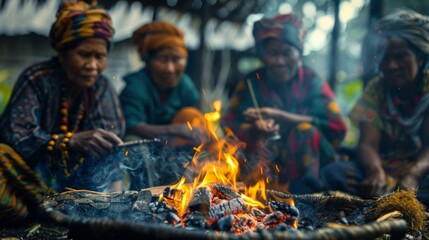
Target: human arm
<point x="280" y="116"/>
<point x="421" y="166"/>
<point x="105" y="120"/>
<point x="374" y="183"/>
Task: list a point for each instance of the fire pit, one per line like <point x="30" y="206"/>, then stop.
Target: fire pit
<point x="134" y="214"/>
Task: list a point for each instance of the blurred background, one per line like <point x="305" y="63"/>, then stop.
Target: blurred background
<point x="218" y="36"/>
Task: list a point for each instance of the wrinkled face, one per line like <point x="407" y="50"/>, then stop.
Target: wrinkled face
<point x="167" y="67"/>
<point x="280" y="59"/>
<point x="84" y="63"/>
<point x="399" y="64"/>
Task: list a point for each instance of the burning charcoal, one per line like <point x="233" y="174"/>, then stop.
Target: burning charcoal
<point x="172" y="218"/>
<point x="224" y="224"/>
<point x="142" y="202"/>
<point x="224" y="192"/>
<point x="216" y="200"/>
<point x="233" y="206"/>
<point x="274" y="218"/>
<point x="258" y="214"/>
<point x="247" y="223"/>
<point x="200" y="200"/>
<point x="195" y="220"/>
<point x="159" y="207"/>
<point x="291" y="212"/>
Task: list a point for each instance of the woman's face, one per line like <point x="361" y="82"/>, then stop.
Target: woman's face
<point x="280" y="59"/>
<point x="399" y="64"/>
<point x="167" y="67"/>
<point x="84" y="63"/>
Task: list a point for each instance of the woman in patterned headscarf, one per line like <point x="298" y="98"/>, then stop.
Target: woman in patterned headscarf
<point x="294" y="102"/>
<point x="392" y="113"/>
<point x="63" y="117"/>
<point x="160" y="99"/>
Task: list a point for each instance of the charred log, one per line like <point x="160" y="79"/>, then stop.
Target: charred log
<point x="233" y="206"/>
<point x="142" y="202"/>
<point x="200" y="200"/>
<point x="224" y="192"/>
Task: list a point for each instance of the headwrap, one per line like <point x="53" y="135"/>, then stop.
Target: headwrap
<point x="79" y="20"/>
<point x="156" y="35"/>
<point x="409" y="25"/>
<point x="285" y="27"/>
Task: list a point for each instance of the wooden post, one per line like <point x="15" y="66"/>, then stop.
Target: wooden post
<point x="334" y="46"/>
<point x="201" y="65"/>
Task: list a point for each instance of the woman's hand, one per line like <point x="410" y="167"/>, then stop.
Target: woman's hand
<point x="374" y="185"/>
<point x="97" y="143"/>
<point x="268" y="126"/>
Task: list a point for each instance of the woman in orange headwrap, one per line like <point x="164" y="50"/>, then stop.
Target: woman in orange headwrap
<point x="63" y="118"/>
<point x="160" y="98"/>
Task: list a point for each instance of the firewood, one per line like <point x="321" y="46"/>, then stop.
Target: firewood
<point x="142" y="202"/>
<point x="224" y="192"/>
<point x="200" y="200"/>
<point x="233" y="206"/>
<point x="173" y="196"/>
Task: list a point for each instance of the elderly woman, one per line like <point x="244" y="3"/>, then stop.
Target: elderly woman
<point x="63" y="118"/>
<point x="160" y="98"/>
<point x="160" y="101"/>
<point x="288" y="99"/>
<point x="392" y="114"/>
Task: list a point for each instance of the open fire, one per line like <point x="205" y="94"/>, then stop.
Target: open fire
<point x="213" y="200"/>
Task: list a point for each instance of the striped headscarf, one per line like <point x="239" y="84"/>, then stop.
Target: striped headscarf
<point x="79" y="20"/>
<point x="285" y="27"/>
<point x="409" y="25"/>
<point x="156" y="35"/>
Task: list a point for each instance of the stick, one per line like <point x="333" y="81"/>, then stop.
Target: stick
<point x="255" y="103"/>
<point x="138" y="142"/>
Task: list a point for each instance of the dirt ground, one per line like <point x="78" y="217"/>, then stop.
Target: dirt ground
<point x="34" y="230"/>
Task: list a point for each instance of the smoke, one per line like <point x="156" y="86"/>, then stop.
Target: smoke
<point x="155" y="165"/>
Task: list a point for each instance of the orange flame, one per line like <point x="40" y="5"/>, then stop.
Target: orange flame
<point x="222" y="167"/>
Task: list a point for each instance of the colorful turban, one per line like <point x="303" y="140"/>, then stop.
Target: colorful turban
<point x="156" y="35"/>
<point x="409" y="25"/>
<point x="79" y="20"/>
<point x="285" y="27"/>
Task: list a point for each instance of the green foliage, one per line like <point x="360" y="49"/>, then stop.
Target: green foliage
<point x="347" y="93"/>
<point x="5" y="89"/>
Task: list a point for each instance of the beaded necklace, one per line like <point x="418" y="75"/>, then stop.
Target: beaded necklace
<point x="61" y="141"/>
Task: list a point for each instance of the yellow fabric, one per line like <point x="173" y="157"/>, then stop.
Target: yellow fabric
<point x="156" y="35"/>
<point x="20" y="187"/>
<point x="78" y="20"/>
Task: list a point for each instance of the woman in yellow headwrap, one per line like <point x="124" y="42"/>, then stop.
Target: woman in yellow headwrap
<point x="63" y="118"/>
<point x="160" y="99"/>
